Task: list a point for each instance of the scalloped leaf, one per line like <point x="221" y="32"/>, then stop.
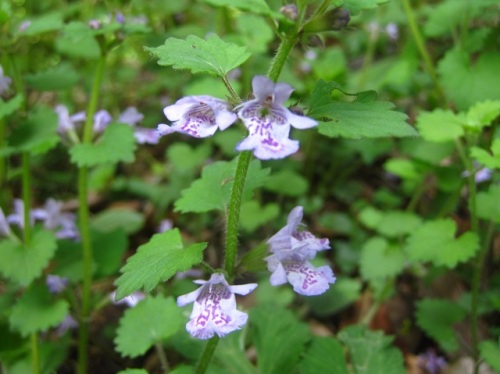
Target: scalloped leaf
<point x="325" y="355"/>
<point x="37" y="310"/>
<point x="440" y="125"/>
<point x="487" y="204"/>
<point x="148" y="323"/>
<point x="435" y="241"/>
<point x="9" y="107"/>
<point x="362" y="118"/>
<point x="212" y="56"/>
<point x="116" y="144"/>
<point x="157" y="261"/>
<point x="23" y="264"/>
<point x="380" y="259"/>
<point x="60" y="77"/>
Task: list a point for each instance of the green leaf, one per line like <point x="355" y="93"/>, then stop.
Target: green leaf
<point x="267" y="294"/>
<point x="47" y="22"/>
<point x="157" y="261"/>
<point x="23" y="264"/>
<point x="116" y="144"/>
<point x="325" y="355"/>
<point x="390" y="223"/>
<point x="355" y="6"/>
<point x="370" y="351"/>
<point x="37" y="310"/>
<point x="37" y="134"/>
<point x="490" y="352"/>
<point x="255" y="32"/>
<point x="467" y="81"/>
<point x="482" y="114"/>
<point x="287" y="182"/>
<point x="487" y="204"/>
<point x="380" y="259"/>
<point x="184" y="157"/>
<point x="362" y="118"/>
<point x="9" y="107"/>
<point x="134" y="371"/>
<point x="212" y="191"/>
<point x="437" y="317"/>
<point x="109" y="248"/>
<point x="60" y="77"/>
<point x="270" y="324"/>
<point x="78" y="41"/>
<point x="212" y="56"/>
<point x="253" y="215"/>
<point x="435" y="241"/>
<point x="128" y="220"/>
<point x="440" y="125"/>
<point x="151" y="321"/>
<point x="247" y="6"/>
<point x="486" y="159"/>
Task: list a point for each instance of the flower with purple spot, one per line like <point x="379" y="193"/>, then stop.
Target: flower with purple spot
<point x="301" y="243"/>
<point x="268" y="121"/>
<point x="301" y="274"/>
<point x="198" y="116"/>
<point x="214" y="310"/>
<point x="291" y="250"/>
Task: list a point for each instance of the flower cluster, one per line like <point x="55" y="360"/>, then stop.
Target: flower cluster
<point x="102" y="118"/>
<point x="268" y="121"/>
<point x="214" y="310"/>
<point x="52" y="216"/>
<point x="291" y="251"/>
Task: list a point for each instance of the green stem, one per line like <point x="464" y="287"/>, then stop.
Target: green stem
<point x="231" y="90"/>
<point x="35" y="356"/>
<point x="206" y="357"/>
<point x="163" y="357"/>
<point x="3" y="162"/>
<point x="280" y="58"/>
<point x="83" y="212"/>
<point x="234" y="207"/>
<point x="26" y="198"/>
<point x="419" y="40"/>
<point x="233" y="217"/>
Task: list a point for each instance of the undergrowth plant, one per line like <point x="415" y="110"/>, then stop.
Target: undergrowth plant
<point x="242" y="146"/>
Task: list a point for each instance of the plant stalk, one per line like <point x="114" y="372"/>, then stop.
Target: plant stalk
<point x="83" y="213"/>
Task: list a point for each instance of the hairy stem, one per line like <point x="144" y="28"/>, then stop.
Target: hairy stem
<point x="83" y="213"/>
<point x="206" y="357"/>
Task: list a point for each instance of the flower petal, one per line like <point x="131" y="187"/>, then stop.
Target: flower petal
<point x="243" y="289"/>
<point x="262" y="87"/>
<point x="300" y="122"/>
<point x="282" y="92"/>
<point x="307" y="280"/>
<point x="189" y="297"/>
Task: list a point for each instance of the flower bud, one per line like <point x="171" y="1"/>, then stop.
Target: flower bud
<point x="290" y="11"/>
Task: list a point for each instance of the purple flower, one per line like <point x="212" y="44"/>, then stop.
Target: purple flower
<point x="24" y="26"/>
<point x="431" y="362"/>
<point x="4" y="82"/>
<point x="17" y="218"/>
<point x="4" y="225"/>
<point x="301" y="274"/>
<point x="55" y="219"/>
<point x="165" y="225"/>
<point x="55" y="283"/>
<point x="198" y="116"/>
<point x="291" y="249"/>
<point x="143" y="135"/>
<point x="130" y="300"/>
<point x="102" y="119"/>
<point x="268" y="121"/>
<point x="68" y="323"/>
<point x="120" y="18"/>
<point x="289" y="240"/>
<point x="214" y="310"/>
<point x="66" y="122"/>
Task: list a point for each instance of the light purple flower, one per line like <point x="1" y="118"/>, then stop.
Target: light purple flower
<point x="165" y="225"/>
<point x="24" y="26"/>
<point x="290" y="241"/>
<point x="291" y="251"/>
<point x="268" y="121"/>
<point x="131" y="116"/>
<point x="69" y="323"/>
<point x="55" y="219"/>
<point x="198" y="116"/>
<point x="431" y="362"/>
<point x="17" y="218"/>
<point x="55" y="283"/>
<point x="4" y="82"/>
<point x="4" y="225"/>
<point x="102" y="119"/>
<point x="120" y="18"/>
<point x="214" y="310"/>
<point x="483" y="174"/>
<point x="94" y="24"/>
<point x="67" y="122"/>
<point x="301" y="274"/>
<point x="130" y="300"/>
